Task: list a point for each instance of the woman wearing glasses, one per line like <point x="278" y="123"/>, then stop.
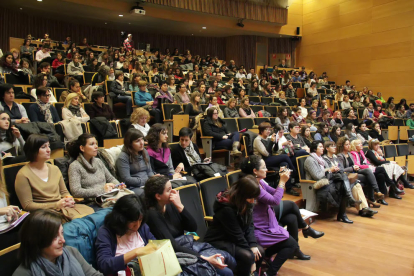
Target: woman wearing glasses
<point x="43" y="111"/>
<point x="222" y="139"/>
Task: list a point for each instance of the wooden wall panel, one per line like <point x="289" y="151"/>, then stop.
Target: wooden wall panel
<point x="370" y="42"/>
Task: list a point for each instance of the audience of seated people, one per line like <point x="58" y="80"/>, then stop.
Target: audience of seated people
<point x="40" y="185"/>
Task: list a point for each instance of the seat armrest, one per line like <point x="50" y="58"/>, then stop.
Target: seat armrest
<point x="308" y="181"/>
<point x="207" y="137"/>
<point x="208" y="218"/>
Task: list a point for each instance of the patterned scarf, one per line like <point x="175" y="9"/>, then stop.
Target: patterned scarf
<point x="192" y="155"/>
<point x="319" y="159"/>
<point x="75" y="109"/>
<point x="45" y="110"/>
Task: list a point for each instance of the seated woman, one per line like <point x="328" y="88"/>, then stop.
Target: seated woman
<point x="232" y="228"/>
<point x="263" y="147"/>
<point x="99" y="108"/>
<point x="228" y="93"/>
<point x="100" y="78"/>
<point x="119" y="91"/>
<point x="315" y="107"/>
<point x="379" y="113"/>
<point x="337" y="119"/>
<point x="16" y="112"/>
<point x="346" y="104"/>
<point x="72" y="109"/>
<point x="350" y="132"/>
<point x="362" y="133"/>
<point x="222" y="139"/>
<point x="328" y="188"/>
<point x="269" y="230"/>
<point x="241" y="96"/>
<point x="357" y="103"/>
<point x="351" y="118"/>
<point x="160" y="156"/>
<point x="43" y="250"/>
<point x="162" y="96"/>
<point x="312" y="120"/>
<point x="75" y="69"/>
<point x="283" y="118"/>
<point x="401" y="112"/>
<point x="133" y="164"/>
<point x="144" y="99"/>
<point x="281" y="99"/>
<point x="40" y="185"/>
<point x="302" y="106"/>
<point x="139" y="120"/>
<point x="358" y="156"/>
<point x="322" y="134"/>
<point x="365" y="176"/>
<point x="124" y="237"/>
<point x="231" y="111"/>
<point x="376" y="132"/>
<point x="305" y="133"/>
<point x="193" y="108"/>
<point x="181" y="96"/>
<point x="10" y="137"/>
<point x="410" y="122"/>
<point x="167" y="218"/>
<point x="41" y="81"/>
<point x="245" y="111"/>
<point x="394" y="171"/>
<point x="391" y="110"/>
<point x="297" y="116"/>
<point x="368" y="115"/>
<point x="73" y="87"/>
<point x="43" y="110"/>
<point x="88" y="176"/>
<point x="214" y="105"/>
<point x="357" y="192"/>
<point x="335" y="133"/>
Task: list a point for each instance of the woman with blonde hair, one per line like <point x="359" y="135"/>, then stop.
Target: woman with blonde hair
<point x="245" y="110"/>
<point x="72" y="109"/>
<point x="139" y="120"/>
<point x="231" y="111"/>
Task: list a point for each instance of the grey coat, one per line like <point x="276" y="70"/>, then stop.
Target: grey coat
<point x="134" y="173"/>
<point x="344" y="162"/>
<point x="231" y="113"/>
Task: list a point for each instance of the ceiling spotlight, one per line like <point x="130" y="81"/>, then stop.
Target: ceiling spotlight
<point x="39" y="0"/>
<point x="204" y="28"/>
<point x="240" y="23"/>
<point x="106" y="23"/>
<point x="129" y="23"/>
<point x="121" y="15"/>
<point x="21" y="8"/>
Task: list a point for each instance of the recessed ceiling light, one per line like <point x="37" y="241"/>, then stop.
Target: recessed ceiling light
<point x="39" y="0"/>
<point x="121" y="15"/>
<point x="21" y="8"/>
<point x="192" y="34"/>
<point x="106" y="23"/>
<point x="129" y="23"/>
<point x="204" y="28"/>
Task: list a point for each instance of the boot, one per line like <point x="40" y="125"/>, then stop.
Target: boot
<point x="235" y="150"/>
<point x="341" y="214"/>
<point x="394" y="188"/>
<point x="300" y="255"/>
<point x="393" y="194"/>
<point x="405" y="182"/>
<point x="349" y="196"/>
<point x="378" y="196"/>
<point x="312" y="233"/>
<point x="367" y="212"/>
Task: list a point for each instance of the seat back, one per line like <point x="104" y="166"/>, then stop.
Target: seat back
<point x="58" y="93"/>
<point x="8" y="176"/>
<point x="59" y="107"/>
<point x="390" y="151"/>
<point x="360" y="113"/>
<point x="292" y="102"/>
<point x="233" y="176"/>
<point x="402" y="150"/>
<point x="271" y="109"/>
<point x="404" y="132"/>
<point x="9" y="258"/>
<point x="393" y="133"/>
<point x="260" y="120"/>
<point x="399" y="122"/>
<point x="256" y="108"/>
<point x="255" y="99"/>
<point x="246" y="123"/>
<point x="231" y="124"/>
<point x="169" y="109"/>
<point x="190" y="198"/>
<point x="266" y="100"/>
<point x="16" y="79"/>
<point x="209" y="188"/>
<point x="88" y="76"/>
<point x="300" y="161"/>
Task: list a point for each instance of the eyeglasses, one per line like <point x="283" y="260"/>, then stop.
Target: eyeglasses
<point x="215" y="113"/>
<point x="47" y="95"/>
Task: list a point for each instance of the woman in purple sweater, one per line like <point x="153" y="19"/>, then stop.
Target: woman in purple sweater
<point x="123" y="237"/>
<point x="269" y="232"/>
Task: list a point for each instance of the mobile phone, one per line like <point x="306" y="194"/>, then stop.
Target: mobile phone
<point x="117" y="185"/>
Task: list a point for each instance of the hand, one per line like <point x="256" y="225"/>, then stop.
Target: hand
<point x="179" y="168"/>
<point x="108" y="187"/>
<point x="176" y="200"/>
<point x="356" y="168"/>
<point x="6" y="154"/>
<point x="69" y="202"/>
<point x="176" y="175"/>
<point x="149" y="103"/>
<point x="213" y="261"/>
<point x="207" y="160"/>
<point x="225" y="137"/>
<point x="256" y="253"/>
<point x="11" y="212"/>
<point x="15" y="132"/>
<point x="284" y="176"/>
<point x="61" y="204"/>
<point x="148" y="249"/>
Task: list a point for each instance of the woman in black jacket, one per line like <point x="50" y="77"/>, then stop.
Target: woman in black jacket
<point x="119" y="90"/>
<point x="222" y="139"/>
<point x="167" y="218"/>
<point x="193" y="108"/>
<point x="376" y="132"/>
<point x="232" y="228"/>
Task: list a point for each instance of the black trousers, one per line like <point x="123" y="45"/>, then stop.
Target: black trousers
<point x="284" y="250"/>
<point x="290" y="217"/>
<point x="245" y="260"/>
<point x="382" y="179"/>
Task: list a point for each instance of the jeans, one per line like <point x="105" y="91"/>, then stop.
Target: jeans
<point x="227" y="143"/>
<point x="128" y="101"/>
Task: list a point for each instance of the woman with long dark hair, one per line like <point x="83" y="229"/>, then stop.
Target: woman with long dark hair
<point x="168" y="218"/>
<point x="8" y="64"/>
<point x="10" y="137"/>
<point x="283" y="118"/>
<point x="133" y="163"/>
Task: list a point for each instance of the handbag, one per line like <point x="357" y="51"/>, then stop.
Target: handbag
<point x="147" y="107"/>
<point x="79" y="211"/>
<point x="108" y="199"/>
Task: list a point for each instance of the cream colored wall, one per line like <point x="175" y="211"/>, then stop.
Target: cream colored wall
<point x="370" y="42"/>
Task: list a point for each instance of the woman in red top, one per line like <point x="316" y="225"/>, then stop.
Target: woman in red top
<point x="178" y="74"/>
<point x="378" y="113"/>
<point x="58" y="61"/>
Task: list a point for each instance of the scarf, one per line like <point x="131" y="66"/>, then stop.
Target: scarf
<point x="320" y="160"/>
<point x="143" y="129"/>
<point x="247" y="110"/>
<point x="66" y="265"/>
<point x="45" y="110"/>
<point x="370" y="112"/>
<point x="192" y="155"/>
<point x="162" y="154"/>
<point x="88" y="166"/>
<point x="75" y="109"/>
<point x="379" y="157"/>
<point x="121" y="83"/>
